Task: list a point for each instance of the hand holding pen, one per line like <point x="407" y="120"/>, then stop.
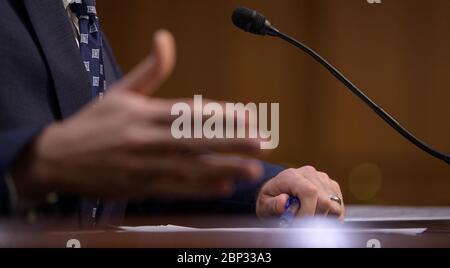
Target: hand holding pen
<point x="292" y="207"/>
<point x="314" y="192"/>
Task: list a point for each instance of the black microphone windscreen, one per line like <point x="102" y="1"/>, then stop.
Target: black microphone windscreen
<point x="249" y="20"/>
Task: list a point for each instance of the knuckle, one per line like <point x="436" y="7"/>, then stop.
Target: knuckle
<point x="336" y="185"/>
<point x="290" y="172"/>
<point x="309" y="169"/>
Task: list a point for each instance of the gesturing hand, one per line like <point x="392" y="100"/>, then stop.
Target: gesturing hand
<point x="122" y="146"/>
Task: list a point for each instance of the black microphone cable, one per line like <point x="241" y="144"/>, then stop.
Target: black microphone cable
<point x="251" y="21"/>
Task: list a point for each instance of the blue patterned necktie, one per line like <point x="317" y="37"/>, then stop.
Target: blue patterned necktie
<point x="91" y="44"/>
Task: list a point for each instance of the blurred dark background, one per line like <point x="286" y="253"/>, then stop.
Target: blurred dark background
<point x="397" y="51"/>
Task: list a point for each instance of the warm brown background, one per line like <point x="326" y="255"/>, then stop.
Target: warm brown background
<point x="397" y="51"/>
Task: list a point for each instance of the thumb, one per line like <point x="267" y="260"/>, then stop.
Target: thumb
<point x="280" y="204"/>
<point x="157" y="67"/>
<point x="273" y="206"/>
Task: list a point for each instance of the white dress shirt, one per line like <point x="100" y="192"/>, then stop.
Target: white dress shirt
<point x="73" y="18"/>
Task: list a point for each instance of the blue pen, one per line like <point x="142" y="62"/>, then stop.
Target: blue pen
<point x="291" y="208"/>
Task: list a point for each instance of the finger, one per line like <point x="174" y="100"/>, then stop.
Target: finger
<point x="147" y="112"/>
<point x="166" y="111"/>
<point x="336" y="190"/>
<point x="239" y="146"/>
<point x="333" y="189"/>
<point x="191" y="191"/>
<point x="309" y="197"/>
<point x="151" y="140"/>
<point x="323" y="203"/>
<point x="292" y="183"/>
<point x="279" y="204"/>
<point x="202" y="169"/>
<point x="149" y="75"/>
<point x="237" y="168"/>
<point x="271" y="206"/>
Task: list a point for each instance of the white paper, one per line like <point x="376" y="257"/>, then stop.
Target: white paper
<point x="399" y="219"/>
<point x="175" y="228"/>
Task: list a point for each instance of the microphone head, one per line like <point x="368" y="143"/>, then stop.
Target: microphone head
<point x="251" y="21"/>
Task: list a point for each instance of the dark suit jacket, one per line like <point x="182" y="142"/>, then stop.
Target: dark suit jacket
<point x="42" y="80"/>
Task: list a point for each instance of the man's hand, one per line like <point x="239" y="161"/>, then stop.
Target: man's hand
<point x="121" y="146"/>
<point x="312" y="187"/>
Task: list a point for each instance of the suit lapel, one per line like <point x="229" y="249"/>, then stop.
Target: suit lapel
<point x="73" y="87"/>
<point x="55" y="35"/>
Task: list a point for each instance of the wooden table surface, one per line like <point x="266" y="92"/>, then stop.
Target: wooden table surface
<point x="330" y="234"/>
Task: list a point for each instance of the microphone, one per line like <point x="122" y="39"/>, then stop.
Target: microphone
<point x="253" y="22"/>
